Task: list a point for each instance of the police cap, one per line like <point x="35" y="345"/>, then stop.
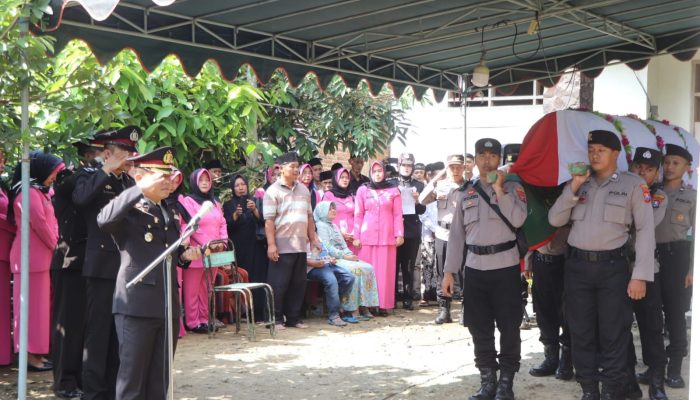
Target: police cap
<point x="488" y="144"/>
<point x="125" y="137"/>
<point x="675" y="150"/>
<point x="605" y="138"/>
<point x="645" y="155"/>
<point x="159" y="160"/>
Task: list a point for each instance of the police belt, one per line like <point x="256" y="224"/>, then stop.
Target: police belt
<point x="445" y="225"/>
<point x="493" y="249"/>
<point x="549" y="258"/>
<point x="595" y="256"/>
<point x="670" y="247"/>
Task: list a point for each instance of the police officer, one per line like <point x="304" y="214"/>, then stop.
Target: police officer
<point x="68" y="285"/>
<point x="675" y="252"/>
<point x="407" y="253"/>
<point x="602" y="206"/>
<point x="646" y="163"/>
<point x="443" y="191"/>
<point x="143" y="226"/>
<point x="95" y="185"/>
<point x="546" y="266"/>
<point x="491" y="292"/>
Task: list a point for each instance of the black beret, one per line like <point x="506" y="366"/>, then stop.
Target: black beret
<point x="215" y="163"/>
<point x="646" y="155"/>
<point x="438" y="166"/>
<point x="419" y="167"/>
<point x="315" y="161"/>
<point x="511" y="152"/>
<point x="326" y="175"/>
<point x="675" y="150"/>
<point x="605" y="138"/>
<point x="487" y="144"/>
<point x="287" y="158"/>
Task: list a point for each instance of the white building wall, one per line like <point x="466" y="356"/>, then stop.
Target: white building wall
<point x="618" y="92"/>
<point x="670" y="82"/>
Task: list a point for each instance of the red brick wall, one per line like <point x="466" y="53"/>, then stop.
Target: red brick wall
<point x="342" y="156"/>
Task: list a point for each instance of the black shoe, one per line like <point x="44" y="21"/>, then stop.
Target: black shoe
<point x="565" y="370"/>
<point x="673" y="373"/>
<point x="504" y="390"/>
<point x="675" y="382"/>
<point x="590" y="391"/>
<point x="43" y="368"/>
<point x="408" y="305"/>
<point x="201" y="328"/>
<point x="656" y="385"/>
<point x="633" y="391"/>
<point x="444" y="316"/>
<point x="549" y="366"/>
<point x="487" y="391"/>
<point x="69" y="394"/>
<point x="610" y="392"/>
<point x="643" y="377"/>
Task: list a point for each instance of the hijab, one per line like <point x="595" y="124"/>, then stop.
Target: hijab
<point x="301" y="173"/>
<point x="383" y="184"/>
<point x="41" y="166"/>
<point x="239" y="199"/>
<point x="338" y="191"/>
<point x="269" y="176"/>
<point x="197" y="194"/>
<point x="321" y="212"/>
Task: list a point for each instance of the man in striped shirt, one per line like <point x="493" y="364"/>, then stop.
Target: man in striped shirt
<point x="289" y="228"/>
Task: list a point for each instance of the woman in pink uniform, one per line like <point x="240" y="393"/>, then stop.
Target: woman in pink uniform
<point x="379" y="230"/>
<point x="7" y="233"/>
<point x="43" y="236"/>
<point x="344" y="205"/>
<point x="212" y="226"/>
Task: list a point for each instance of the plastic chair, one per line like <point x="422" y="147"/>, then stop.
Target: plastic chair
<point x="227" y="258"/>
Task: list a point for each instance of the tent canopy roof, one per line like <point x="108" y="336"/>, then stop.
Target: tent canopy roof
<point x="422" y="43"/>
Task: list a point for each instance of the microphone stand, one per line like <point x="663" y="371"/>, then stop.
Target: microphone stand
<point x="168" y="258"/>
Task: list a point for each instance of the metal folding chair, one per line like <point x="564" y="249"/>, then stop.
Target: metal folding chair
<point x="227" y="258"/>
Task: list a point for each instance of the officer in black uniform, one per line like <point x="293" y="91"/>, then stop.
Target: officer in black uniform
<point x="143" y="225"/>
<point x="68" y="285"/>
<point x="95" y="186"/>
<point x="603" y="206"/>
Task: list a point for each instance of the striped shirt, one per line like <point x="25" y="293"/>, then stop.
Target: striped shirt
<point x="290" y="208"/>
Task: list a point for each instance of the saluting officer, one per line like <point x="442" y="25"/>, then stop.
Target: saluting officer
<point x="675" y="253"/>
<point x="95" y="185"/>
<point x="650" y="320"/>
<point x="143" y="226"/>
<point x="491" y="290"/>
<point x="602" y="207"/>
<point x="444" y="192"/>
<point x="68" y="285"/>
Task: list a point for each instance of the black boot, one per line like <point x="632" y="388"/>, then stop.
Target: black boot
<point x="487" y="391"/>
<point x="565" y="370"/>
<point x="504" y="390"/>
<point x="611" y="392"/>
<point x="631" y="389"/>
<point x="656" y="384"/>
<point x="550" y="363"/>
<point x="444" y="316"/>
<point x="673" y="375"/>
<point x="590" y="391"/>
<point x="643" y="377"/>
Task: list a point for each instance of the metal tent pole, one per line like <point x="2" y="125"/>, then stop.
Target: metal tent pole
<point x="24" y="266"/>
<point x="694" y="359"/>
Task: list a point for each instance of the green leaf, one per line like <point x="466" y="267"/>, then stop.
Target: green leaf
<point x="164" y="113"/>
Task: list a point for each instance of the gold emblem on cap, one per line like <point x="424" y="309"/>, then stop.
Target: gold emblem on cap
<point x="134" y="135"/>
<point x="590" y="137"/>
<point x="168" y="158"/>
<point x="148" y="237"/>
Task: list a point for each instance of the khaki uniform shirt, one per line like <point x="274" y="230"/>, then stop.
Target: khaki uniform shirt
<point x="602" y="215"/>
<point x="446" y="195"/>
<point x="475" y="223"/>
<point x="679" y="217"/>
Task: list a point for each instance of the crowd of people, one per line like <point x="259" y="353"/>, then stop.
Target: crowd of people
<point x="406" y="234"/>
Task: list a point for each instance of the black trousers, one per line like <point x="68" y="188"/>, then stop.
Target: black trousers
<point x="287" y="277"/>
<point x="650" y="321"/>
<point x="599" y="313"/>
<point x="494" y="296"/>
<point x="405" y="264"/>
<point x="675" y="297"/>
<point x="68" y="326"/>
<point x="440" y="256"/>
<point x="548" y="299"/>
<point x="143" y="372"/>
<point x="101" y="347"/>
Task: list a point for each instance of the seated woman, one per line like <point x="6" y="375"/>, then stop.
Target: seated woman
<point x="364" y="292"/>
<point x="336" y="282"/>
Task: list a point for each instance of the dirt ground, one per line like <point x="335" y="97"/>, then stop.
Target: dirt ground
<point x="404" y="356"/>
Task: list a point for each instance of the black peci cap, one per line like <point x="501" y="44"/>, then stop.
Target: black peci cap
<point x="287" y="158"/>
<point x="326" y="175"/>
<point x="675" y="150"/>
<point x="215" y="163"/>
<point x="315" y="161"/>
<point x="605" y="138"/>
<point x="645" y="155"/>
<point x="487" y="144"/>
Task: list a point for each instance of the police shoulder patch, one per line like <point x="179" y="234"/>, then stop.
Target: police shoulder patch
<point x="521" y="194"/>
<point x="646" y="193"/>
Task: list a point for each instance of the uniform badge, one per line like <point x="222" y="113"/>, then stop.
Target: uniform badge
<point x="647" y="154"/>
<point x="134" y="136"/>
<point x="108" y="187"/>
<point x="680" y="217"/>
<point x="168" y="158"/>
<point x="581" y="199"/>
<point x="646" y="194"/>
<point x="488" y="144"/>
<point x="148" y="237"/>
<point x="521" y="194"/>
<point x="657" y="199"/>
<point x="155" y="220"/>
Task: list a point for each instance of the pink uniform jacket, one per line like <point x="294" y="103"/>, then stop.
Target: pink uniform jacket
<point x="7" y="230"/>
<point x="43" y="234"/>
<point x="345" y="212"/>
<point x="378" y="216"/>
<point x="212" y="226"/>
